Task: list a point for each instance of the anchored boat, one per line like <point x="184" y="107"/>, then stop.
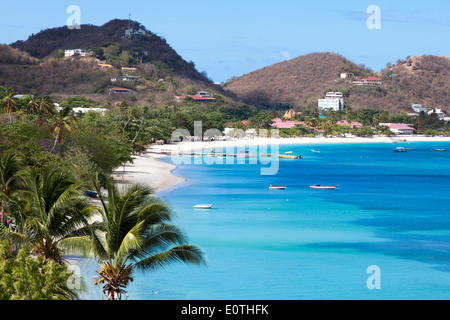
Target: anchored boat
<point x="319" y="187"/>
<point x="271" y="187"/>
<point x="203" y="206"/>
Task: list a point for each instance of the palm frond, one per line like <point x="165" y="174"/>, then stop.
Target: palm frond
<point x="189" y="254"/>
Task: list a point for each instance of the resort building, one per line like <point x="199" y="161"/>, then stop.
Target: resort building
<point x="332" y="101"/>
<point x="369" y="81"/>
<point x="353" y="124"/>
<point x="77" y="52"/>
<point x="401" y="129"/>
<point x="280" y="124"/>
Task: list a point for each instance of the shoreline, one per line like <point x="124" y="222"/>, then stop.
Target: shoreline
<point x="149" y="169"/>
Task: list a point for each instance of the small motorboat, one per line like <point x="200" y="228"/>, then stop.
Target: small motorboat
<point x="289" y="156"/>
<point x="440" y="150"/>
<point x="315" y="151"/>
<point x="399" y="149"/>
<point x="271" y="187"/>
<point x="319" y="187"/>
<point x="203" y="206"/>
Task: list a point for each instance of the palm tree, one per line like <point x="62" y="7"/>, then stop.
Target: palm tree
<point x="64" y="122"/>
<point x="136" y="233"/>
<point x="53" y="211"/>
<point x="9" y="103"/>
<point x="9" y="173"/>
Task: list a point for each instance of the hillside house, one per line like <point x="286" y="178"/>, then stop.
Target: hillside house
<point x="369" y="81"/>
<point x="200" y="96"/>
<point x="128" y="69"/>
<point x="123" y="91"/>
<point x="332" y="101"/>
<point x="130" y="33"/>
<point x="126" y="78"/>
<point x="347" y="75"/>
<point x="78" y="52"/>
<point x="418" y="108"/>
<point x="104" y="66"/>
<point x="439" y="112"/>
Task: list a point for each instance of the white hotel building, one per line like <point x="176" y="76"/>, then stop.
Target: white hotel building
<point x="332" y="101"/>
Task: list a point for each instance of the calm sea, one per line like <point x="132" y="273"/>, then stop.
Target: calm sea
<point x="390" y="210"/>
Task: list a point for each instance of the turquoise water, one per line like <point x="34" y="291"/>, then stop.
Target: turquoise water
<point x="390" y="210"/>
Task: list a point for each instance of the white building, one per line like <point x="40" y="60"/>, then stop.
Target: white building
<point x="125" y="78"/>
<point x="401" y="129"/>
<point x="346" y="75"/>
<point x="129" y="33"/>
<point x="439" y="112"/>
<point x="332" y="101"/>
<point x="204" y="94"/>
<point x="418" y="108"/>
<point x="77" y="52"/>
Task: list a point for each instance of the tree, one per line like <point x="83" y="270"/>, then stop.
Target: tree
<point x="54" y="211"/>
<point x="64" y="122"/>
<point x="9" y="173"/>
<point x="28" y="278"/>
<point x="9" y="103"/>
<point x="136" y="232"/>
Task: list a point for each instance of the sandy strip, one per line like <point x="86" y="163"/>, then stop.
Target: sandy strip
<point x="147" y="169"/>
<point x="210" y="145"/>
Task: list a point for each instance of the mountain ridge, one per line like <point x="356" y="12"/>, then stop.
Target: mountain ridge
<point x="299" y="83"/>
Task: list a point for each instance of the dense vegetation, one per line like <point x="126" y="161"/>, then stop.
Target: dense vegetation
<point x="49" y="159"/>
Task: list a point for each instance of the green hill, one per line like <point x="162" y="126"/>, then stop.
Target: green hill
<point x="301" y="81"/>
<point x="38" y="65"/>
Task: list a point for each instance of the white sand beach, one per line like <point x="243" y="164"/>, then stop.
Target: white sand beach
<point x="147" y="169"/>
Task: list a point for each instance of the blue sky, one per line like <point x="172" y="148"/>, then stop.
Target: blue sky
<point x="234" y="37"/>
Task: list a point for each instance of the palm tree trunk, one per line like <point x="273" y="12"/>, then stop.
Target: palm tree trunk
<point x="56" y="140"/>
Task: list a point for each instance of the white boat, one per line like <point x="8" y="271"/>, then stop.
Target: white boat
<point x="203" y="206"/>
<point x="399" y="149"/>
<point x="319" y="187"/>
<point x="271" y="187"/>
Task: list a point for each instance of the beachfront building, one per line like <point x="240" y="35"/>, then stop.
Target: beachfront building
<point x="401" y="129"/>
<point x="77" y="52"/>
<point x="332" y="101"/>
